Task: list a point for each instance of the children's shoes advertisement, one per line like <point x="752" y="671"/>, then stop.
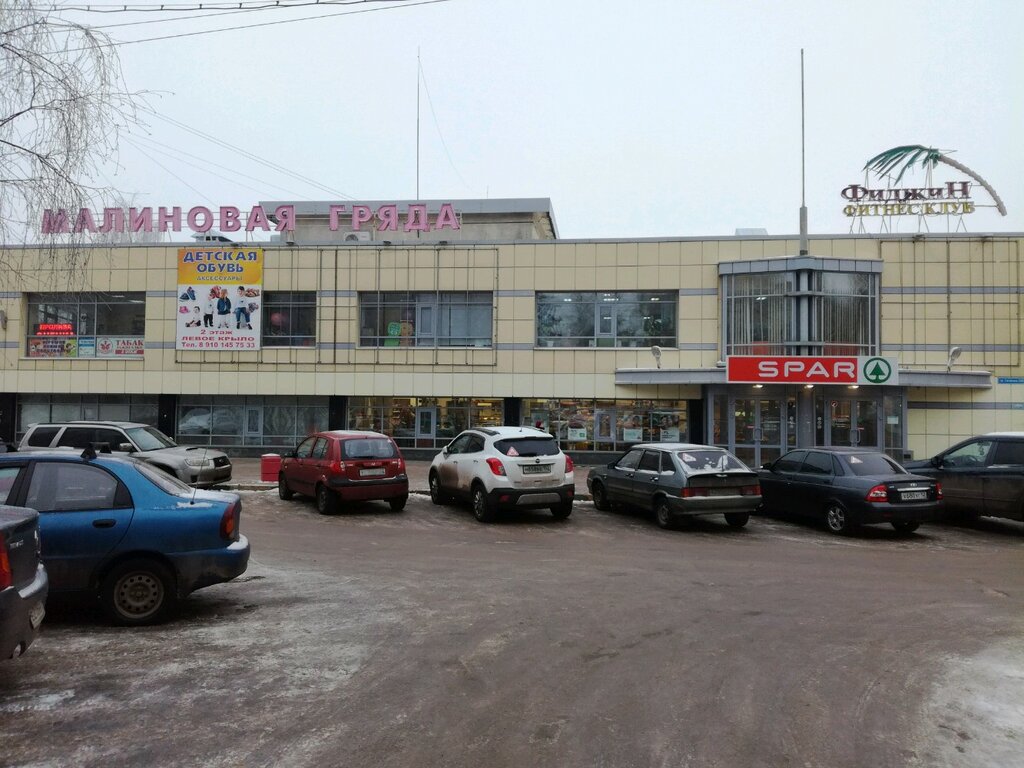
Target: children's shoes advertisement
<point x="220" y="298"/>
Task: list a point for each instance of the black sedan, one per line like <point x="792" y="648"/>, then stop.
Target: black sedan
<point x="849" y="487"/>
<point x="23" y="580"/>
<point x="980" y="476"/>
<point x="677" y="480"/>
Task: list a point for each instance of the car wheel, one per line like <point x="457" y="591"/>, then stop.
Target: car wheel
<point x="838" y="520"/>
<point x="663" y="515"/>
<point x="326" y="500"/>
<point x="562" y="511"/>
<point x="737" y="519"/>
<point x="397" y="505"/>
<point x="600" y="497"/>
<point x="436" y="494"/>
<point x="138" y="592"/>
<point x="282" y="488"/>
<point x="483" y="510"/>
<point x="908" y="526"/>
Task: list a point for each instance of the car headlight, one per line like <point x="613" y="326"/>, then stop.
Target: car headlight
<point x="198" y="462"/>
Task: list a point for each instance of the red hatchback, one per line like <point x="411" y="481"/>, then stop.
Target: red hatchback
<point x="344" y="466"/>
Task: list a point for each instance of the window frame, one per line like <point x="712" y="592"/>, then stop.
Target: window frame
<point x="428" y="319"/>
<point x="83" y="311"/>
<point x="613" y="306"/>
<point x="294" y="304"/>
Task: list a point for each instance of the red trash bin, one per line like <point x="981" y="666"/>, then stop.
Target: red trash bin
<point x="270" y="465"/>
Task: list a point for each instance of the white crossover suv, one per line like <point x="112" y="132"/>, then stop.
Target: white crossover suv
<point x="504" y="468"/>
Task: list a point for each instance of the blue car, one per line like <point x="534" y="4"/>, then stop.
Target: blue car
<point x="121" y="530"/>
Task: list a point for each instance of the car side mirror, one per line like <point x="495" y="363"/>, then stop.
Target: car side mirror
<point x="290" y="455"/>
<point x="936" y="461"/>
<point x="446" y="450"/>
<point x="767" y="465"/>
<point x="126" y="447"/>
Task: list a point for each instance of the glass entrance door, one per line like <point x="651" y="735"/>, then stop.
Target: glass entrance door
<point x="756" y="429"/>
<point x="849" y="422"/>
<point x="426" y="426"/>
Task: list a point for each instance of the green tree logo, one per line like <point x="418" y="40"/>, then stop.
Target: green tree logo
<point x="877" y="370"/>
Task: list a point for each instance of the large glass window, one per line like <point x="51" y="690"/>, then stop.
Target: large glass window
<point x="44" y="408"/>
<point x="425" y="319"/>
<point x="608" y="425"/>
<point x="229" y="420"/>
<point x="759" y="313"/>
<point x="843" y="313"/>
<point x="397" y="417"/>
<point x="289" y="319"/>
<point x="615" y="319"/>
<point x="806" y="312"/>
<point x="90" y="325"/>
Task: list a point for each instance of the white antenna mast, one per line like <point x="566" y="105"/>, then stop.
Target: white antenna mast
<point x="804" y="248"/>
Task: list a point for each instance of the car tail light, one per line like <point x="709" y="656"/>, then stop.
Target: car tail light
<point x="750" y="490"/>
<point x="5" y="565"/>
<point x="938" y="491"/>
<point x="496" y="466"/>
<point x="399" y="465"/>
<point x="690" y="491"/>
<point x="337" y="467"/>
<point x="878" y="493"/>
<point x="569" y="466"/>
<point x="229" y="522"/>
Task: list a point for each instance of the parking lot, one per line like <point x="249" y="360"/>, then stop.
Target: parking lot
<point x="424" y="638"/>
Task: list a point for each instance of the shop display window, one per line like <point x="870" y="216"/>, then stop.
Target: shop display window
<point x="426" y="319"/>
<point x="86" y="325"/>
<point x="289" y="319"/>
<point x="608" y="425"/>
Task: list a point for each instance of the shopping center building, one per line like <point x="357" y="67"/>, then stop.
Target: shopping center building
<point x="419" y="318"/>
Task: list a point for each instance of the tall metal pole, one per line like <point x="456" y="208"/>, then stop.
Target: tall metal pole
<point x="417" y="123"/>
<point x="804" y="247"/>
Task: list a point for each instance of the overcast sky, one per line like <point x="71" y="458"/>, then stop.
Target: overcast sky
<point x="637" y="118"/>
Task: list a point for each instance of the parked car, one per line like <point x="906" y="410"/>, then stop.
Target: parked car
<point x="23" y="580"/>
<point x="980" y="476"/>
<point x="677" y="480"/>
<point x="502" y="468"/>
<point x="195" y="465"/>
<point x="344" y="466"/>
<point x="120" y="530"/>
<point x="849" y="487"/>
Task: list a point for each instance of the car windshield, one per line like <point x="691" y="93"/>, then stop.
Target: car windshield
<point x="528" y="446"/>
<point x="709" y="461"/>
<point x="372" y="448"/>
<point x="865" y="464"/>
<point x="163" y="481"/>
<point x="149" y="438"/>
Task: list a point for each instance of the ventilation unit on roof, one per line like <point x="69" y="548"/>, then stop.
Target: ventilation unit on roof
<point x="357" y="237"/>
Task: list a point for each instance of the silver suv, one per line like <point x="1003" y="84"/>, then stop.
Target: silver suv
<point x="504" y="468"/>
<point x="195" y="465"/>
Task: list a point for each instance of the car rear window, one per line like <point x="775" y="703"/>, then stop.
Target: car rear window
<point x="528" y="446"/>
<point x="163" y="481"/>
<point x="368" y="448"/>
<point x="708" y="461"/>
<point x="863" y="464"/>
<point x="41" y="437"/>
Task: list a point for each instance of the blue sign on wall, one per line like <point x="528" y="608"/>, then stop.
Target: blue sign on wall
<point x="1010" y="379"/>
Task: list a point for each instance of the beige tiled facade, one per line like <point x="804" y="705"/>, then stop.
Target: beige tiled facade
<point x="936" y="292"/>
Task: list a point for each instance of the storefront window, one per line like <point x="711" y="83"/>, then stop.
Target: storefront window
<point x="843" y="315"/>
<point x="425" y="319"/>
<point x="39" y="409"/>
<point x="224" y="421"/>
<point x="615" y="319"/>
<point x="759" y="313"/>
<point x="608" y="425"/>
<point x="86" y="325"/>
<point x="423" y="422"/>
<point x="289" y="319"/>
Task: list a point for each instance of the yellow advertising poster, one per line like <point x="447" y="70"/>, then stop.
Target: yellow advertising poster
<point x="220" y="298"/>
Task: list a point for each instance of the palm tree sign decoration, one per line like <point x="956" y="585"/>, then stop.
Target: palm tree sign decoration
<point x="906" y="157"/>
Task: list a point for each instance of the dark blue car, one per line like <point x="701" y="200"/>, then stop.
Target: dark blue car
<point x="125" y="532"/>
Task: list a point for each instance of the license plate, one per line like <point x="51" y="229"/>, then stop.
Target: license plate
<point x="35" y="616"/>
<point x="722" y="492"/>
<point x="914" y="496"/>
<point x="372" y="472"/>
<point x="535" y="469"/>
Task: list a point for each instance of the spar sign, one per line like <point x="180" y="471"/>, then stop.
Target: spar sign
<point x="812" y="370"/>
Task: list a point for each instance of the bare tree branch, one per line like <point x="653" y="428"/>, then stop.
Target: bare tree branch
<point x="63" y="106"/>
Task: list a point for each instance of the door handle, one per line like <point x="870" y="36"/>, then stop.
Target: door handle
<point x="104" y="523"/>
